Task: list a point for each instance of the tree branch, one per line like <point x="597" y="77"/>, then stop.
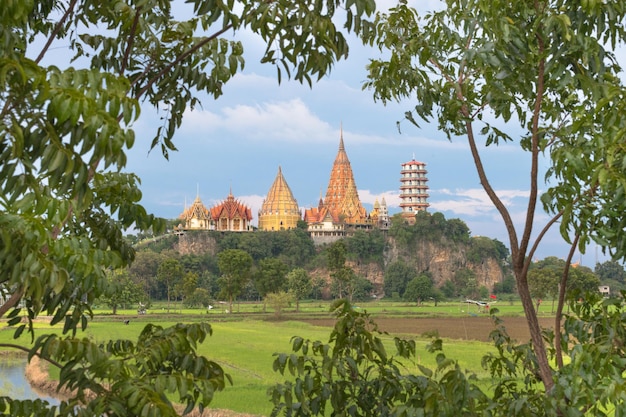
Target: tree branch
<point x="534" y="170"/>
<point x="56" y="30"/>
<point x="11" y="302"/>
<point x="559" y="306"/>
<point x="131" y="39"/>
<point x="545" y="229"/>
<point x="180" y="58"/>
<point x="27" y="350"/>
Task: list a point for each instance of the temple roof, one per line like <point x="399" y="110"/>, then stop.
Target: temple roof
<point x="197" y="210"/>
<point x="413" y="162"/>
<point x="231" y="209"/>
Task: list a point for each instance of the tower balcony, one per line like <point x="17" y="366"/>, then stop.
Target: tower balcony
<point x="414" y="171"/>
<point x="413" y="186"/>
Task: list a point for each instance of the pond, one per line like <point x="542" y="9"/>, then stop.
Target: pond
<point x="13" y="382"/>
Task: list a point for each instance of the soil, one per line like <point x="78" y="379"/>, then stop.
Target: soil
<point x="463" y="328"/>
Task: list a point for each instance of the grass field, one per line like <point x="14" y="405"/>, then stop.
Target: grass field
<point x="244" y="342"/>
<point x="321" y="308"/>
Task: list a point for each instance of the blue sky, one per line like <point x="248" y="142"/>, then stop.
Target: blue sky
<point x="239" y="140"/>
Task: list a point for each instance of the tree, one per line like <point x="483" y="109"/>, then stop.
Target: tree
<point x="278" y="301"/>
<point x="64" y="132"/>
<point x="339" y="272"/>
<point x="144" y="269"/>
<point x="187" y="286"/>
<point x="170" y="273"/>
<point x="610" y="270"/>
<point x="360" y="289"/>
<point x="367" y="246"/>
<point x="482" y="248"/>
<point x="541" y="74"/>
<point x="299" y="284"/>
<point x="544" y="279"/>
<point x="121" y="291"/>
<point x="419" y="289"/>
<point x="270" y="277"/>
<point x="465" y="282"/>
<point x="352" y="374"/>
<point x="397" y="276"/>
<point x="200" y="297"/>
<point x="235" y="268"/>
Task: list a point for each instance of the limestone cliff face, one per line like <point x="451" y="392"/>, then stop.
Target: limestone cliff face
<point x="196" y="243"/>
<point x="442" y="260"/>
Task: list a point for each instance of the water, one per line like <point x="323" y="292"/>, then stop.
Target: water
<point x="13" y="382"/>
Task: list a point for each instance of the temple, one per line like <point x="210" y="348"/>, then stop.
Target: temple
<point x="230" y="215"/>
<point x="196" y="216"/>
<point x="379" y="216"/>
<point x="280" y="209"/>
<point x="341" y="211"/>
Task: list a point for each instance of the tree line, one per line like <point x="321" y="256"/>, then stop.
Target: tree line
<point x="251" y="266"/>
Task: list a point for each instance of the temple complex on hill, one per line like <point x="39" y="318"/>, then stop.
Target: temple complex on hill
<point x="229" y="215"/>
<point x="280" y="209"/>
<point x="339" y="214"/>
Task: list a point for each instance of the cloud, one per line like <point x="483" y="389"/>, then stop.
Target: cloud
<point x="473" y="202"/>
<point x="392" y="198"/>
<point x="282" y="121"/>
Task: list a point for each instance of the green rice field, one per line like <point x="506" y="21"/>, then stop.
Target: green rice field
<point x="244" y="342"/>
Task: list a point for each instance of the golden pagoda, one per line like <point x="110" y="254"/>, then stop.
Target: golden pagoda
<point x="342" y="197"/>
<point x="196" y="216"/>
<point x="280" y="209"/>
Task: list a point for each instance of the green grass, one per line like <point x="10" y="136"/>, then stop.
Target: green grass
<point x="318" y="308"/>
<point x="244" y="343"/>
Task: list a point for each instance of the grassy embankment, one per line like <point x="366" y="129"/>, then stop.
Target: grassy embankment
<point x="244" y="343"/>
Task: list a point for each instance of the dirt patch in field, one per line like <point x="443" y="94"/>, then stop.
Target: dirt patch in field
<point x="464" y="328"/>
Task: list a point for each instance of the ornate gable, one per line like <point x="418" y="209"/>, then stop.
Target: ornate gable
<point x="196" y="216"/>
<point x="231" y="215"/>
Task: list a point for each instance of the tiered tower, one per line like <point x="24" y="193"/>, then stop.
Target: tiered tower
<point x="342" y="197"/>
<point x="280" y="209"/>
<point x="413" y="189"/>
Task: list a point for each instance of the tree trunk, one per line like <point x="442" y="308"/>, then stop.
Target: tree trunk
<point x="545" y="372"/>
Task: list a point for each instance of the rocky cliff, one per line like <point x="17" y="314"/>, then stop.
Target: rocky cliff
<point x="442" y="259"/>
<point x="196" y="243"/>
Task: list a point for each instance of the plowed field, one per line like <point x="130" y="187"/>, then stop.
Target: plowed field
<point x="466" y="328"/>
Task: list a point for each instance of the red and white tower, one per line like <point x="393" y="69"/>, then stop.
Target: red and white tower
<point x="413" y="189"/>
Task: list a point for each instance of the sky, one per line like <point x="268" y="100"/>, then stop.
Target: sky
<point x="237" y="143"/>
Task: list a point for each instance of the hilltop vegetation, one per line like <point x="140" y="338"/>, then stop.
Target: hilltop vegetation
<point x="440" y="252"/>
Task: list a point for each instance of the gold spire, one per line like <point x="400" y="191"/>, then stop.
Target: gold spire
<point x="280" y="209"/>
<point x="342" y="198"/>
